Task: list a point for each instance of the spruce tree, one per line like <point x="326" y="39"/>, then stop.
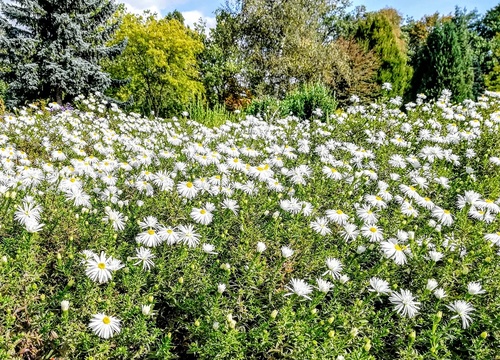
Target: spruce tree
<point x="51" y="49"/>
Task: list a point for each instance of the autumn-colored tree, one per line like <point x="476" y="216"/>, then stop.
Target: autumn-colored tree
<point x="161" y="63"/>
<point x="352" y="70"/>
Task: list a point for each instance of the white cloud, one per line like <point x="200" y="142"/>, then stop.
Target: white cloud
<point x="192" y="17"/>
<point x="158" y="6"/>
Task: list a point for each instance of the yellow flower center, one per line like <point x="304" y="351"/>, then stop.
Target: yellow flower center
<point x="101" y="266"/>
<point x="412" y="188"/>
<point x="72" y="180"/>
<point x="106" y="320"/>
<point x="339" y="212"/>
<point x="189" y="185"/>
<point x="333" y="170"/>
<point x="203" y="211"/>
<point x="378" y="198"/>
<point x="236" y="160"/>
<point x="427" y="199"/>
<point x="151" y="232"/>
<point x="488" y="201"/>
<point x="169" y="231"/>
<point x="447" y="212"/>
<point x="373" y="230"/>
<point x="398" y="247"/>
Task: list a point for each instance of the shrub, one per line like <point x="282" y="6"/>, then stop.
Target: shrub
<point x="307" y="100"/>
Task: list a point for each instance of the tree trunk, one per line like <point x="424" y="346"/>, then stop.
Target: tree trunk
<point x="59" y="99"/>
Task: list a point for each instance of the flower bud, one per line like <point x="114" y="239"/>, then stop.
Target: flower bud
<point x="484" y="335"/>
<point x="64" y="305"/>
<point x="367" y="346"/>
<point x="221" y="288"/>
<point x="274" y="313"/>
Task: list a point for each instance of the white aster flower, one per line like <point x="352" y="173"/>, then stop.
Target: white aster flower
<point x="404" y="303"/>
<point x="188" y="235"/>
<point x="320" y="225"/>
<point x="334" y="267"/>
<point x="379" y="286"/>
<point x="475" y="288"/>
<point x="104" y="326"/>
<point x="99" y="267"/>
<point x="323" y="285"/>
<point x="286" y="251"/>
<point x="209" y="249"/>
<point x="300" y="288"/>
<point x="261" y="247"/>
<point x="462" y="309"/>
<point x="144" y="256"/>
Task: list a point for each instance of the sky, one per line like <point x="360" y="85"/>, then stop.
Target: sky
<point x="196" y="9"/>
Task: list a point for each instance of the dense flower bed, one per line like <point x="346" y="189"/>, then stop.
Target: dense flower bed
<point x="373" y="235"/>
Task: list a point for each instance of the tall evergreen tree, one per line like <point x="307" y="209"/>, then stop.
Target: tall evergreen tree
<point x="446" y="62"/>
<point x="51" y="49"/>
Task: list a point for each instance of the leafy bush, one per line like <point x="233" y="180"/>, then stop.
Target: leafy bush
<point x="265" y="106"/>
<point x="307" y="100"/>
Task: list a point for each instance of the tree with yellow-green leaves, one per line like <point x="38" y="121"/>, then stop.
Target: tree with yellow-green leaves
<point x="161" y="63"/>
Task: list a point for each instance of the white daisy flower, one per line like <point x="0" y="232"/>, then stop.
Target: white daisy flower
<point x="104" y="326"/>
<point x="475" y="288"/>
<point x="462" y="309"/>
<point x="320" y="225"/>
<point x="300" y="288"/>
<point x="144" y="256"/>
<point x="323" y="285"/>
<point x="286" y="251"/>
<point x="379" y="286"/>
<point x="404" y="303"/>
<point x="188" y="235"/>
<point x="334" y="267"/>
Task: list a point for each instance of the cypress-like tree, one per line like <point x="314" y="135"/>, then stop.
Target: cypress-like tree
<point x="51" y="49"/>
<point x="380" y="32"/>
<point x="446" y="62"/>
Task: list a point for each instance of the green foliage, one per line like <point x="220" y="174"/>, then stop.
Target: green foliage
<point x="281" y="43"/>
<point x="161" y="63"/>
<point x="51" y="49"/>
<point x="212" y="116"/>
<point x="446" y="61"/>
<point x="492" y="79"/>
<point x="381" y="32"/>
<point x="307" y="100"/>
<point x="220" y="62"/>
<point x="266" y="106"/>
<point x="489" y="26"/>
<point x="349" y="164"/>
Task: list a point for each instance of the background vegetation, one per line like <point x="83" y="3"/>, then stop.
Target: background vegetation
<point x="260" y="51"/>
